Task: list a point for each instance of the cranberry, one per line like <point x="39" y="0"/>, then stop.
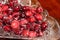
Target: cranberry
<point x="26" y="8"/>
<point x="15" y="13"/>
<point x="0" y="9"/>
<point x="4" y="7"/>
<point x="28" y="26"/>
<point x="1" y="15"/>
<point x="38" y="17"/>
<point x="37" y="27"/>
<point x="23" y="21"/>
<point x="15" y="24"/>
<point x="11" y="4"/>
<point x="25" y="33"/>
<point x="16" y="31"/>
<point x="0" y="4"/>
<point x="44" y="25"/>
<point x="32" y="34"/>
<point x="7" y="28"/>
<point x="29" y="13"/>
<point x="9" y="11"/>
<point x="16" y="8"/>
<point x="32" y="19"/>
<point x="39" y="9"/>
<point x="33" y="10"/>
<point x="1" y="24"/>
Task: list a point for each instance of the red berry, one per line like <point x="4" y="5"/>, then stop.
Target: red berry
<point x="37" y="27"/>
<point x="1" y="16"/>
<point x="0" y="4"/>
<point x="25" y="33"/>
<point x="7" y="28"/>
<point x="33" y="10"/>
<point x="16" y="8"/>
<point x="23" y="21"/>
<point x="39" y="9"/>
<point x="0" y="9"/>
<point x="16" y="31"/>
<point x="26" y="8"/>
<point x="29" y="13"/>
<point x="15" y="24"/>
<point x="28" y="26"/>
<point x="44" y="25"/>
<point x="32" y="34"/>
<point x="32" y="19"/>
<point x="1" y="24"/>
<point x="38" y="17"/>
<point x="4" y="7"/>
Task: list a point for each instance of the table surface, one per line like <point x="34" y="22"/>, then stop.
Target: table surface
<point x="53" y="7"/>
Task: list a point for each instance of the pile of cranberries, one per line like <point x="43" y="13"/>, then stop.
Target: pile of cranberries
<point x="25" y="21"/>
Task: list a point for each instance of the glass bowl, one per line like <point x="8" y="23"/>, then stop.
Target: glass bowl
<point x="51" y="33"/>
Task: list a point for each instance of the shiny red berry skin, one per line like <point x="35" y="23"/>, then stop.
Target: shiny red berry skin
<point x="29" y="13"/>
<point x="25" y="33"/>
<point x="26" y="8"/>
<point x="4" y="7"/>
<point x="39" y="9"/>
<point x="0" y="9"/>
<point x="44" y="25"/>
<point x="7" y="28"/>
<point x="0" y="4"/>
<point x="16" y="8"/>
<point x="23" y="21"/>
<point x="32" y="19"/>
<point x="15" y="24"/>
<point x="32" y="34"/>
<point x="38" y="17"/>
<point x="37" y="27"/>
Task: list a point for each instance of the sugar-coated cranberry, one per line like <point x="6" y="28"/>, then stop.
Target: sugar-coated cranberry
<point x="15" y="24"/>
<point x="38" y="17"/>
<point x="32" y="34"/>
<point x="29" y="13"/>
<point x="1" y="15"/>
<point x="39" y="9"/>
<point x="7" y="28"/>
<point x="4" y="7"/>
<point x="25" y="33"/>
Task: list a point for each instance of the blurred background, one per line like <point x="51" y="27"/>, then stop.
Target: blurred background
<point x="53" y="7"/>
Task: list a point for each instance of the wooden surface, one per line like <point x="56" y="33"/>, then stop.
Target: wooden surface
<point x="53" y="7"/>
